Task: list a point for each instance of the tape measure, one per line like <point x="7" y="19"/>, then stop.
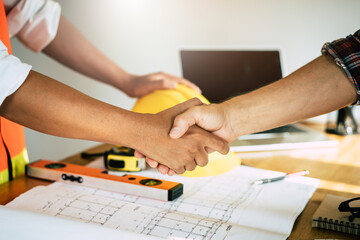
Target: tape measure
<point x="123" y="159"/>
<point x="119" y="159"/>
<point x="93" y="177"/>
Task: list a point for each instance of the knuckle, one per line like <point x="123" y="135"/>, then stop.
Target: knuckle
<point x="188" y="152"/>
<point x="162" y="82"/>
<point x="195" y="100"/>
<point x="179" y="119"/>
<point x="176" y="166"/>
<point x="180" y="170"/>
<point x="193" y="152"/>
<point x="220" y="145"/>
<point x="225" y="148"/>
<point x="190" y="167"/>
<point x="202" y="162"/>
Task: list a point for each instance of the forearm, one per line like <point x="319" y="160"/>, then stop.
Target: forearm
<point x="72" y="49"/>
<point x="317" y="88"/>
<point x="51" y="107"/>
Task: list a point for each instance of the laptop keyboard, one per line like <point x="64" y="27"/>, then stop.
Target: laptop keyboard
<point x="282" y="129"/>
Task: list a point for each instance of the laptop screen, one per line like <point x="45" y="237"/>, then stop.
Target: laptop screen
<point x="225" y="74"/>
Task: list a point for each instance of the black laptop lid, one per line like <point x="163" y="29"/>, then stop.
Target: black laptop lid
<point x="224" y="74"/>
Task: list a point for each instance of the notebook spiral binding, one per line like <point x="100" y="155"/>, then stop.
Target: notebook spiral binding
<point x="336" y="225"/>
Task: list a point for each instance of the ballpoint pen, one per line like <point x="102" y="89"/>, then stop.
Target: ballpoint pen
<point x="269" y="180"/>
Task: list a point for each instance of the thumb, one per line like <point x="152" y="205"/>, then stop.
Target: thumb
<point x="182" y="123"/>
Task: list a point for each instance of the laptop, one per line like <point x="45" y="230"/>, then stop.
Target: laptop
<point x="222" y="74"/>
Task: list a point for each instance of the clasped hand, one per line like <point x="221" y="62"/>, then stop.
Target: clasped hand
<point x="192" y="142"/>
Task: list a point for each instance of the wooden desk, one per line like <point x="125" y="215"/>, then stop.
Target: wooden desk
<point x="337" y="168"/>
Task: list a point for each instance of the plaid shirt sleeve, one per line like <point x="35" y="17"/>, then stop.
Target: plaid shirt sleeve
<point x="346" y="54"/>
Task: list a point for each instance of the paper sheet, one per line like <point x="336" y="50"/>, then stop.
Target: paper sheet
<point x="17" y="224"/>
<point x="222" y="207"/>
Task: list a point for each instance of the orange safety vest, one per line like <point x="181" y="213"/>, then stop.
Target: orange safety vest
<point x="13" y="154"/>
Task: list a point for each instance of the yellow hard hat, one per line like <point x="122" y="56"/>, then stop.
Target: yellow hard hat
<point x="160" y="100"/>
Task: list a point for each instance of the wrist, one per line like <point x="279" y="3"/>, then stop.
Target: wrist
<point x="229" y="123"/>
<point x="121" y="79"/>
<point x="132" y="130"/>
<point x="240" y="115"/>
<point x="128" y="84"/>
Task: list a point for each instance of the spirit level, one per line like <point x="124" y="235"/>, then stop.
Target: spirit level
<point x="93" y="177"/>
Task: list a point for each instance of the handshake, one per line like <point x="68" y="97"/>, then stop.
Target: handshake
<point x="179" y="138"/>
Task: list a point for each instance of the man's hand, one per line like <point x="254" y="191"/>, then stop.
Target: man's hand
<point x="138" y="86"/>
<point x="180" y="154"/>
<point x="154" y="164"/>
<point x="213" y="118"/>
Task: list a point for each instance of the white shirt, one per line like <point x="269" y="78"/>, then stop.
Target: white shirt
<point x="34" y="23"/>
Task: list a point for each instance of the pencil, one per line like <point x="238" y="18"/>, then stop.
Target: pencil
<point x="269" y="180"/>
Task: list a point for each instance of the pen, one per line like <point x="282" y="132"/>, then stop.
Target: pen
<point x="269" y="180"/>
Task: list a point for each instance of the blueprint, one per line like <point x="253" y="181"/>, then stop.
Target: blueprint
<point x="227" y="206"/>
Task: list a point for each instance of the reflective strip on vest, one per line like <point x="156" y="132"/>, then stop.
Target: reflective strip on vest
<point x="12" y="139"/>
<point x="4" y="176"/>
<point x="19" y="163"/>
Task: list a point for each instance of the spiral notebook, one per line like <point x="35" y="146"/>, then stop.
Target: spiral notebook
<point x="329" y="217"/>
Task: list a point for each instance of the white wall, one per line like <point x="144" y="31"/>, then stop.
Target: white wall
<point x="144" y="36"/>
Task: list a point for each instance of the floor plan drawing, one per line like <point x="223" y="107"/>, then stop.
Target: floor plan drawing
<point x="227" y="206"/>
